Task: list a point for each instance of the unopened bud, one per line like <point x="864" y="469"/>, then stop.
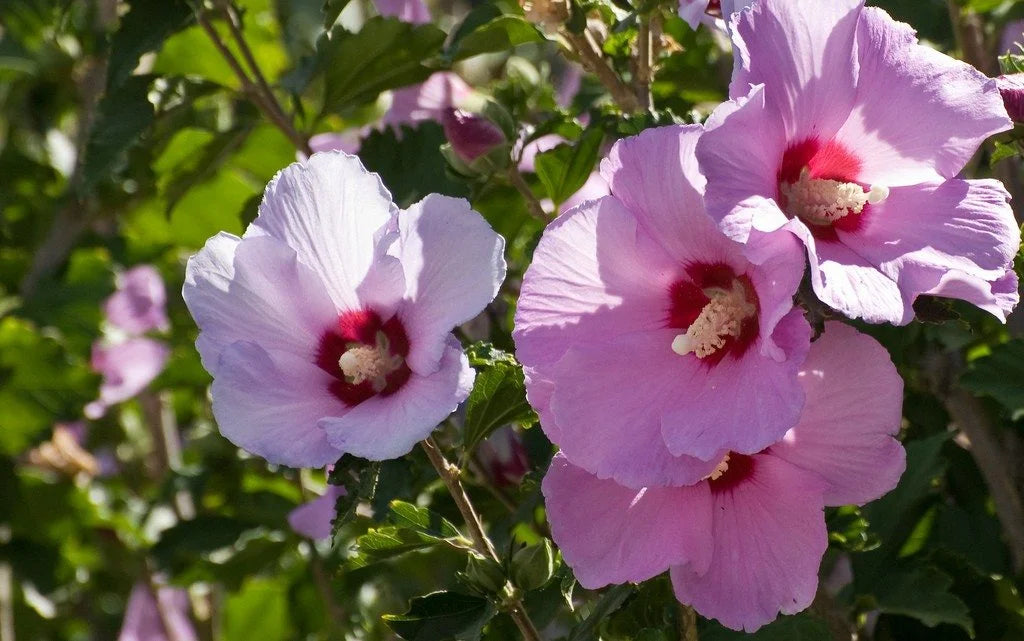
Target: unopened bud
<point x="470" y="135"/>
<point x="1011" y="88"/>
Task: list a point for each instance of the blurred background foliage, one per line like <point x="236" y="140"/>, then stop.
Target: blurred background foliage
<point x="126" y="137"/>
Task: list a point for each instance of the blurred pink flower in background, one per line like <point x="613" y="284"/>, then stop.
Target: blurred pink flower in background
<point x="745" y="543"/>
<point x="413" y="11"/>
<point x="147" y="620"/>
<point x="327" y="326"/>
<point x="848" y="134"/>
<point x="140" y="303"/>
<point x="1013" y="35"/>
<point x="314" y="519"/>
<point x="503" y="457"/>
<point x="651" y="342"/>
<point x="1011" y="88"/>
<point x="470" y="135"/>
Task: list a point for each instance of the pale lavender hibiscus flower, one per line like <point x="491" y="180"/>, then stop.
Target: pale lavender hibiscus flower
<point x="145" y="620"/>
<point x="745" y="544"/>
<point x="127" y="368"/>
<point x="327" y="326"/>
<point x="846" y="132"/>
<point x="652" y="343"/>
<point x="140" y="303"/>
<point x="713" y="13"/>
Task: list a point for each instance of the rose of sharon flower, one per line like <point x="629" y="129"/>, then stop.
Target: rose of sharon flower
<point x="127" y="368"/>
<point x="745" y="543"/>
<point x="471" y="135"/>
<point x="139" y="304"/>
<point x="327" y="326"/>
<point x="314" y="519"/>
<point x="847" y="133"/>
<point x="144" y="620"/>
<point x="1011" y="88"/>
<point x="710" y="12"/>
<point x="652" y="344"/>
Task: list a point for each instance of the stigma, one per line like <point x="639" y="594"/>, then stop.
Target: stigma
<point x="720" y="319"/>
<point x="823" y="201"/>
<point x="361" y="363"/>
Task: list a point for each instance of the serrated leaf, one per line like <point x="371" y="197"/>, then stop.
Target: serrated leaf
<point x="564" y="169"/>
<point x="122" y="117"/>
<point x="410" y="163"/>
<point x="187" y="540"/>
<point x="386" y="542"/>
<point x="359" y="477"/>
<point x="999" y="375"/>
<point x="1002" y="151"/>
<point x="422" y="519"/>
<point x="922" y="592"/>
<point x="498" y="398"/>
<point x="442" y="616"/>
<point x="385" y="54"/>
<point x="500" y="34"/>
<point x="143" y="29"/>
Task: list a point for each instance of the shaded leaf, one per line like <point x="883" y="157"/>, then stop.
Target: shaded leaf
<point x="500" y="34"/>
<point x="410" y="162"/>
<point x="441" y="616"/>
<point x="800" y="627"/>
<point x="332" y="9"/>
<point x="564" y="169"/>
<point x="359" y="477"/>
<point x="498" y="396"/>
<point x="922" y="592"/>
<point x="611" y="600"/>
<point x="422" y="519"/>
<point x="143" y="29"/>
<point x="999" y="375"/>
<point x="122" y="117"/>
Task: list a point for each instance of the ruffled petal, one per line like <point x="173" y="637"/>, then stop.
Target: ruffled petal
<point x="332" y="212"/>
<point x="386" y="427"/>
<point x="919" y="115"/>
<point x="127" y="368"/>
<point x="255" y="290"/>
<point x="606" y="406"/>
<point x="742" y="404"/>
<point x="853" y="411"/>
<point x="655" y="176"/>
<point x="427" y="100"/>
<point x="270" y="406"/>
<point x="454" y="266"/>
<point x="145" y="620"/>
<point x="769" y="536"/>
<point x="740" y="153"/>
<point x="779" y="261"/>
<point x="803" y="52"/>
<point x="608" y="533"/>
<point x="413" y="11"/>
<point x="593" y="278"/>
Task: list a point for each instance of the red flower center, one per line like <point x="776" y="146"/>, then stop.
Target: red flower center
<point x="817" y="183"/>
<point x="365" y="355"/>
<point x="716" y="308"/>
<point x="733" y="470"/>
<point x="714" y="9"/>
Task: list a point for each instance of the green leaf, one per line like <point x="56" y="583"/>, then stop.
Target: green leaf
<point x="564" y="169"/>
<point x="441" y="616"/>
<point x="922" y="592"/>
<point x="484" y="574"/>
<point x="999" y="375"/>
<point x="209" y="160"/>
<point x="500" y="34"/>
<point x="410" y="162"/>
<point x="187" y="540"/>
<point x="387" y="542"/>
<point x="611" y="600"/>
<point x="498" y="398"/>
<point x="386" y="53"/>
<point x="1012" y="63"/>
<point x="422" y="519"/>
<point x="359" y="477"/>
<point x="533" y="565"/>
<point x="144" y="28"/>
<point x="1002" y="151"/>
<point x="122" y="117"/>
<point x="800" y="627"/>
<point x="258" y="611"/>
<point x="332" y="9"/>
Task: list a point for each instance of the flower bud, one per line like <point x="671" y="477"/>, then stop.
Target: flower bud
<point x="1011" y="88"/>
<point x="470" y="135"/>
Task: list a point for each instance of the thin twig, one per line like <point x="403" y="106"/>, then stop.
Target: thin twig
<point x="264" y="102"/>
<point x="450" y="476"/>
<point x="517" y="180"/>
<point x="585" y="46"/>
<point x="644" y="62"/>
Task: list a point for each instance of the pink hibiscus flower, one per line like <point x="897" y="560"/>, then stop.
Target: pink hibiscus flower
<point x="315" y="519"/>
<point x="847" y="133"/>
<point x="139" y="304"/>
<point x="714" y="13"/>
<point x="652" y="343"/>
<point x="127" y="368"/>
<point x="746" y="543"/>
<point x="327" y="326"/>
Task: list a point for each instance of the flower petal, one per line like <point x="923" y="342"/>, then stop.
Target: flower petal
<point x="742" y="404"/>
<point x="127" y="368"/>
<point x="144" y="620"/>
<point x="593" y="278"/>
<point x="619" y="435"/>
<point x="314" y="519"/>
<point x="454" y="266"/>
<point x="270" y="406"/>
<point x="385" y="427"/>
<point x="413" y="11"/>
<point x="612" y="534"/>
<point x="655" y="176"/>
<point x="769" y="536"/>
<point x="332" y="212"/>
<point x="255" y="290"/>
<point x="803" y="52"/>
<point x="140" y="302"/>
<point x="919" y="114"/>
<point x="853" y="411"/>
